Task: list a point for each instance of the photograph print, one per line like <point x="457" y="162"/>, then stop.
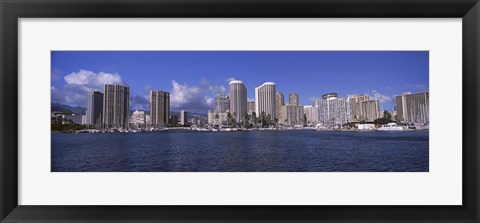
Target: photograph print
<point x="239" y="111"/>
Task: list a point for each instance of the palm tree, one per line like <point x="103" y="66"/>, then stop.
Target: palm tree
<point x="246" y="120"/>
<point x="233" y="121"/>
<point x="229" y="117"/>
<point x="269" y="120"/>
<point x="263" y="119"/>
<point x="254" y="118"/>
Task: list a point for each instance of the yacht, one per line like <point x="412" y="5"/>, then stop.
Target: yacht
<point x="391" y="127"/>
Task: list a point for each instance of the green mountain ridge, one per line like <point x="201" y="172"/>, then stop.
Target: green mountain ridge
<point x="79" y="110"/>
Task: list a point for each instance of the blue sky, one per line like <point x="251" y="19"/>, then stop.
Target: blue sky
<point x="194" y="77"/>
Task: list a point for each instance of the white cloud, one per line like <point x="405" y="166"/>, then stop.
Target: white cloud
<point x="68" y="99"/>
<point x="199" y="98"/>
<point x="194" y="98"/>
<point x="140" y="102"/>
<point x="209" y="101"/>
<point x="91" y="79"/>
<point x="380" y="97"/>
<point x="77" y="84"/>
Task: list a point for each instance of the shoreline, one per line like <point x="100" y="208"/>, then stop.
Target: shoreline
<point x="92" y="131"/>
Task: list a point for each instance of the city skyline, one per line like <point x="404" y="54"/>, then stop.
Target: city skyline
<point x="382" y="75"/>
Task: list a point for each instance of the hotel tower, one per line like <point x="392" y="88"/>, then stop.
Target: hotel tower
<point x="265" y="100"/>
<point x="116" y="106"/>
<point x="238" y="99"/>
<point x="159" y="108"/>
<point x="94" y="108"/>
<point x="413" y="108"/>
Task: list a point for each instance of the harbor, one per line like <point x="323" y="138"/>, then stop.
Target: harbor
<point x="183" y="150"/>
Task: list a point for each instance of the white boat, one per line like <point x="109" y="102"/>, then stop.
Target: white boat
<point x="298" y="126"/>
<point x="391" y="127"/>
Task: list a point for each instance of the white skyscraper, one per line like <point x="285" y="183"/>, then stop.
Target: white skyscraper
<point x="265" y="100"/>
<point x="333" y="110"/>
<point x="238" y="100"/>
<point x="183" y="118"/>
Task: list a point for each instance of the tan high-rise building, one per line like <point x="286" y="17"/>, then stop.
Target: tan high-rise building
<point x="265" y="97"/>
<point x="238" y="100"/>
<point x="370" y="110"/>
<point x="293" y="99"/>
<point x="116" y="106"/>
<point x="159" y="108"/>
<point x="357" y="112"/>
<point x="291" y="115"/>
<point x="280" y="101"/>
<point x="250" y="107"/>
<point x="413" y="108"/>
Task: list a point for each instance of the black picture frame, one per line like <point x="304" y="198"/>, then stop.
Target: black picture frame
<point x="12" y="10"/>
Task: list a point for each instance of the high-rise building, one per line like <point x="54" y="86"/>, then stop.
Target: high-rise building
<point x="94" y="108"/>
<point x="222" y="103"/>
<point x="159" y="108"/>
<point x="265" y="97"/>
<point x="238" y="100"/>
<point x="280" y="101"/>
<point x="291" y="115"/>
<point x="370" y="110"/>
<point x="183" y="118"/>
<point x="293" y="99"/>
<point x="116" y="106"/>
<point x="250" y="107"/>
<point x="84" y="119"/>
<point x="413" y="108"/>
<point x="311" y="112"/>
<point x="357" y="112"/>
<point x="332" y="110"/>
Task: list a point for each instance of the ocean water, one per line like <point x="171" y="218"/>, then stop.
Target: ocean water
<point x="241" y="151"/>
